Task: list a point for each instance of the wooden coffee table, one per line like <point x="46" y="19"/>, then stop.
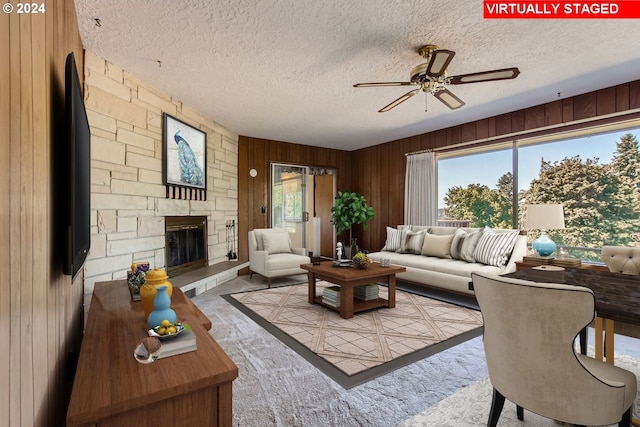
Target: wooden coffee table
<point x="348" y="278"/>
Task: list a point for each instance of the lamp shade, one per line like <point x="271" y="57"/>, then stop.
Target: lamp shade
<point x="544" y="217"/>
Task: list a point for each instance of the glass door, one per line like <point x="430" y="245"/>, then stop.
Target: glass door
<point x="289" y="201"/>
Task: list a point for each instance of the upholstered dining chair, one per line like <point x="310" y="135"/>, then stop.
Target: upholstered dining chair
<point x="529" y="333"/>
<point x="619" y="259"/>
<point x="271" y="254"/>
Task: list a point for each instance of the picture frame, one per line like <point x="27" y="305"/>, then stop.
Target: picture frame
<point x="184" y="150"/>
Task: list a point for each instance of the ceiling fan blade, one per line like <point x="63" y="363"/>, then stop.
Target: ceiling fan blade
<point x="485" y="76"/>
<point x="399" y="101"/>
<point x="383" y="84"/>
<point x="449" y="99"/>
<point x="439" y="61"/>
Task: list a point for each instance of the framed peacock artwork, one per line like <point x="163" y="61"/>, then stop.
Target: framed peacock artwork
<point x="185" y="154"/>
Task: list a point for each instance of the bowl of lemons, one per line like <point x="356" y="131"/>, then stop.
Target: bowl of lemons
<point x="167" y="330"/>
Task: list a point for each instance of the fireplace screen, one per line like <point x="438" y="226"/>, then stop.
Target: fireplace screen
<point x="186" y="243"/>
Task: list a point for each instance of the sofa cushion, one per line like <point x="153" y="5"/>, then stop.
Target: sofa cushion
<point x="468" y="246"/>
<point x="495" y="248"/>
<point x="276" y="243"/>
<point x="437" y="246"/>
<point x="441" y="265"/>
<point x="456" y="243"/>
<point x="412" y="242"/>
<point x="394" y="240"/>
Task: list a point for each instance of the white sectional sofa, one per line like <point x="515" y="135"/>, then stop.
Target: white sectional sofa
<point x="445" y="257"/>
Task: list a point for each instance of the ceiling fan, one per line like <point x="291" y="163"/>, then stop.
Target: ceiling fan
<point x="431" y="77"/>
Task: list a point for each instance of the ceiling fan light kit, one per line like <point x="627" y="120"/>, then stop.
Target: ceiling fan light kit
<point x="432" y="78"/>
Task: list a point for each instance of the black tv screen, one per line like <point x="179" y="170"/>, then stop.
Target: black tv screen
<point x="76" y="191"/>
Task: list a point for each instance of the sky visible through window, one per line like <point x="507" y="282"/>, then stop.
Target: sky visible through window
<point x="487" y="168"/>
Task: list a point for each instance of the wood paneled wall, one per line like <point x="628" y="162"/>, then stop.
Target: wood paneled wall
<point x="253" y="193"/>
<point x="378" y="172"/>
<point x="40" y="309"/>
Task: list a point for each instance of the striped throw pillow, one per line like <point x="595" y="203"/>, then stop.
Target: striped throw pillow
<point x="394" y="240"/>
<point x="412" y="242"/>
<point x="495" y="248"/>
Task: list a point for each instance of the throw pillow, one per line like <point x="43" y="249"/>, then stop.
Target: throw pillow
<point x="412" y="242"/>
<point x="456" y="245"/>
<point x="495" y="248"/>
<point x="276" y="243"/>
<point x="438" y="246"/>
<point x="469" y="245"/>
<point x="394" y="240"/>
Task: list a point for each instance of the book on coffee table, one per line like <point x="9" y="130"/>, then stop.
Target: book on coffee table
<point x="331" y="296"/>
<point x="367" y="292"/>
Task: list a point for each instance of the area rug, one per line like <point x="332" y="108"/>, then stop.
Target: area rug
<point x="470" y="406"/>
<point x="372" y="343"/>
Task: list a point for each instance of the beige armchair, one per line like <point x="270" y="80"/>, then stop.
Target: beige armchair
<point x="529" y="331"/>
<point x="271" y="254"/>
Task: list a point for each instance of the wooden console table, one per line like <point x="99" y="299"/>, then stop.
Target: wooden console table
<point x="111" y="388"/>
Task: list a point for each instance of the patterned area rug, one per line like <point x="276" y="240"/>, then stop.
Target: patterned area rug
<point x="372" y="343"/>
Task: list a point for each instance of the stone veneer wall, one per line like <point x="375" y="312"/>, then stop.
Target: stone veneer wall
<point x="128" y="198"/>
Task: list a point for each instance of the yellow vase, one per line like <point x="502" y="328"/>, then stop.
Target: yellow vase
<point x="148" y="291"/>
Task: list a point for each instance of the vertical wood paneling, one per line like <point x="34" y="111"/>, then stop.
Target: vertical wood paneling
<point x="5" y="222"/>
<point x="553" y="113"/>
<point x="40" y="309"/>
<point x="518" y="121"/>
<point x="534" y="117"/>
<point x="567" y="110"/>
<point x="41" y="212"/>
<point x="469" y="132"/>
<point x="622" y="97"/>
<point x="606" y="101"/>
<point x="15" y="199"/>
<point x="584" y="106"/>
<point x="634" y="94"/>
<point x="482" y="129"/>
<point x="503" y="124"/>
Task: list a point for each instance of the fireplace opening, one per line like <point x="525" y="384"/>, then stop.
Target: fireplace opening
<point x="185" y="243"/>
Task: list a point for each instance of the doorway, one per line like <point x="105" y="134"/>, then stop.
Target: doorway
<point x="296" y="191"/>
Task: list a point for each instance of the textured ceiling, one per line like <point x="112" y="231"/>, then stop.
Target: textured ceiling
<point x="284" y="69"/>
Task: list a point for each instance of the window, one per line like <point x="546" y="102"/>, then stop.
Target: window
<point x="476" y="189"/>
<point x="595" y="175"/>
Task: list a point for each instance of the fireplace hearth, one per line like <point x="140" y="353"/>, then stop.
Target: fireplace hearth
<point x="185" y="244"/>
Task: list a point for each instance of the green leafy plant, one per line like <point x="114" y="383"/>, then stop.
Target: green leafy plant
<point x="350" y="209"/>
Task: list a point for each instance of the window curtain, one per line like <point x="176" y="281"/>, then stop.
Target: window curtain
<point x="420" y="190"/>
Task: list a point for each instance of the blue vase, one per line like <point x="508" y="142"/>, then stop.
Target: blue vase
<point x="161" y="308"/>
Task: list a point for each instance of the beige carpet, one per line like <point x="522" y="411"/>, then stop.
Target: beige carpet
<point x="371" y="343"/>
<point x="470" y="406"/>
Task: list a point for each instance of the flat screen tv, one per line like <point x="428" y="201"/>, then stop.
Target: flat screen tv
<point x="76" y="171"/>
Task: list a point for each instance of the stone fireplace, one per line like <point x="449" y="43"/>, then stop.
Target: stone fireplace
<point x="185" y="243"/>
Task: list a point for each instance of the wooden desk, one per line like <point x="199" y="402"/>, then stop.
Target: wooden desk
<point x="349" y="277"/>
<point x="617" y="298"/>
<point x="111" y="388"/>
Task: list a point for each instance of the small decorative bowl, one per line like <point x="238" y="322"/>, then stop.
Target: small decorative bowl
<point x="153" y="332"/>
<point x="362" y="264"/>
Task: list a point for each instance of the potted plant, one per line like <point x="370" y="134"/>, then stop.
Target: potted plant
<point x="350" y="209"/>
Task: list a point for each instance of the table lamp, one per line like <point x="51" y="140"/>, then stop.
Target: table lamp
<point x="543" y="218"/>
